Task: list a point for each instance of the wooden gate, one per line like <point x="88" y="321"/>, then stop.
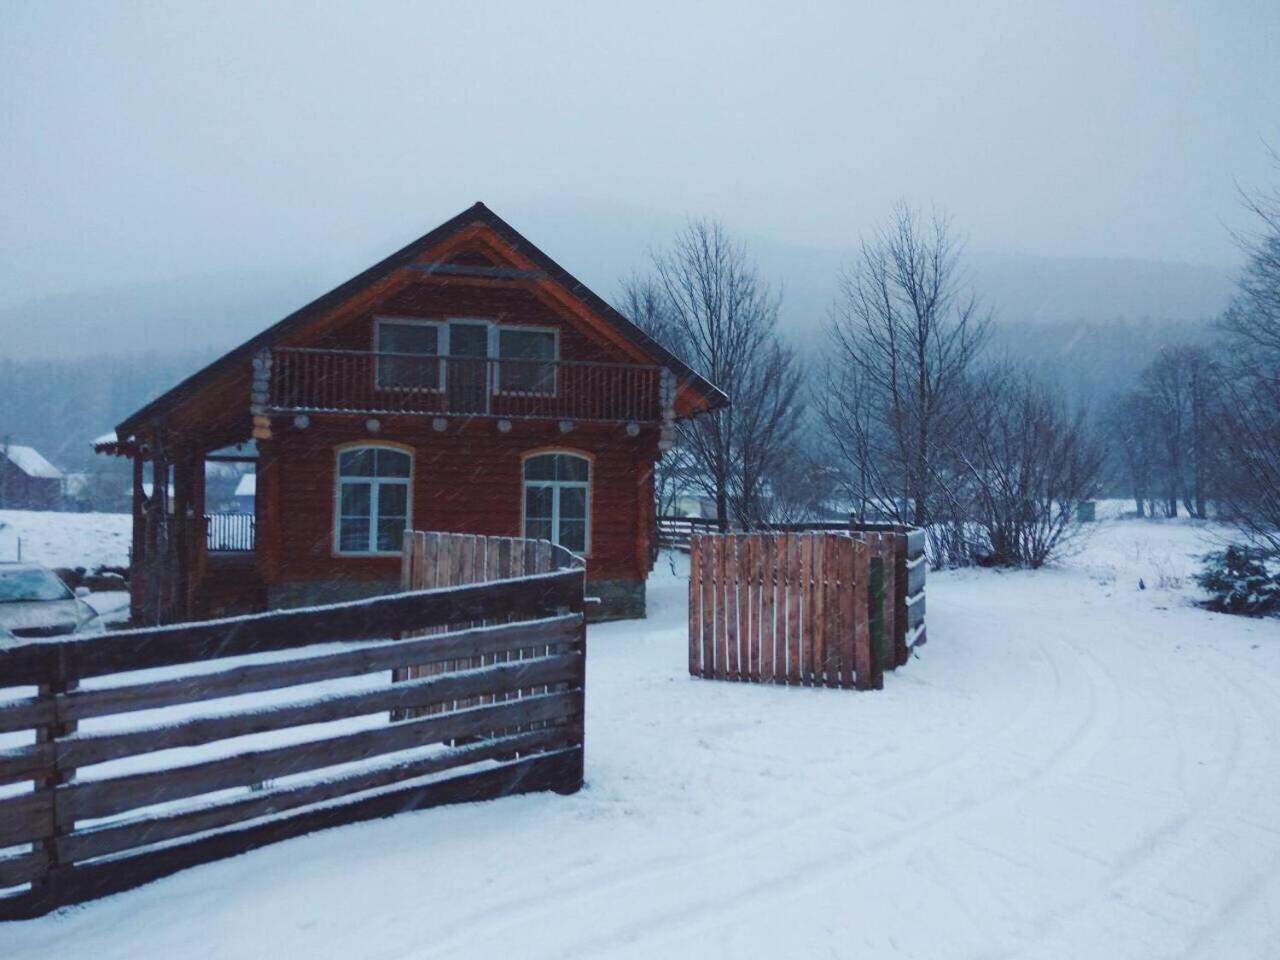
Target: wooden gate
<point x="782" y="608"/>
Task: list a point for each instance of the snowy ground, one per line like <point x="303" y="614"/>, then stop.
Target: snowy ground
<point x="86" y="540"/>
<point x="1071" y="768"/>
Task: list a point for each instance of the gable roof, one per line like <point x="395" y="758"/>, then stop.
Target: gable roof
<point x="404" y="257"/>
<point x="30" y="462"/>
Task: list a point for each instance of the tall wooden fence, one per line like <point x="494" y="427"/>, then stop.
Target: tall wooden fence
<point x="432" y="560"/>
<point x="85" y="826"/>
<point x="814" y="608"/>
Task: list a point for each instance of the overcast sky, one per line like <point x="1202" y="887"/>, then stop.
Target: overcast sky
<point x="149" y="141"/>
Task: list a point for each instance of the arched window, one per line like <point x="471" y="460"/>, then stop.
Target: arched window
<point x="556" y="499"/>
<point x="372" y="499"/>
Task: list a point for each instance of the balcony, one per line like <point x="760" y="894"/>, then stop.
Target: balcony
<point x="303" y="380"/>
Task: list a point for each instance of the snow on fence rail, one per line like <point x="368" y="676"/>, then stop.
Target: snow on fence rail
<point x="84" y="831"/>
<point x="812" y="608"/>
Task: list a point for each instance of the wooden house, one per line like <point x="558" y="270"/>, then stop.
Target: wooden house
<point x="27" y="480"/>
<point x="466" y="383"/>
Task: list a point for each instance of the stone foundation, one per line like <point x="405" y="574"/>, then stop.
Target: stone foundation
<point x="619" y="600"/>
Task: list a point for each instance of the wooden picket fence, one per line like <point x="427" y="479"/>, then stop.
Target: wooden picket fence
<point x="813" y="608"/>
<point x="76" y="828"/>
<point x="431" y="560"/>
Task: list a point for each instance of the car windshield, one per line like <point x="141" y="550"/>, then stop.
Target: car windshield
<point x="28" y="584"/>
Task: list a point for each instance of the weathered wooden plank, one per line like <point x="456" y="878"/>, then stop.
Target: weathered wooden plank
<point x="709" y="601"/>
<point x="795" y="599"/>
<point x="84" y="750"/>
<point x="869" y="675"/>
<point x="721" y="648"/>
<point x="768" y="576"/>
<point x="695" y="607"/>
<point x="916" y="577"/>
<point x="83" y="704"/>
<point x="25" y="714"/>
<point x="144" y="831"/>
<point x="831" y="607"/>
<point x="23" y="868"/>
<point x="26" y="817"/>
<point x="32" y="762"/>
<point x="282" y="630"/>
<point x="915" y="610"/>
<point x="821" y="657"/>
<point x="900" y="597"/>
<point x="915" y="543"/>
<point x="732" y="584"/>
<point x="807" y="666"/>
<point x="103" y="798"/>
<point x="847" y="613"/>
<point x="550" y="771"/>
<point x="748" y="609"/>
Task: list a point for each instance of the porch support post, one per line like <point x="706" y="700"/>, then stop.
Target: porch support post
<point x="138" y="553"/>
<point x="667" y="398"/>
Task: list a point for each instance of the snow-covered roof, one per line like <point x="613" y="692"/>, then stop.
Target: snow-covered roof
<point x="248" y="485"/>
<point x="108" y="437"/>
<point x="30" y="462"/>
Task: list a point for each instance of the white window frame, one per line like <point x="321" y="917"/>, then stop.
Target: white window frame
<point x="555" y="486"/>
<point x="375" y="485"/>
<point x="442" y="352"/>
<point x="495" y="348"/>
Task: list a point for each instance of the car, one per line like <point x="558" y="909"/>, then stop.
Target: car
<point x="34" y="602"/>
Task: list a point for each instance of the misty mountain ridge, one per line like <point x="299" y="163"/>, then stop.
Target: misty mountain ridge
<point x="90" y="357"/>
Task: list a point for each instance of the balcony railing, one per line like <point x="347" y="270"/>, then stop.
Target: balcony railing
<point x="306" y="380"/>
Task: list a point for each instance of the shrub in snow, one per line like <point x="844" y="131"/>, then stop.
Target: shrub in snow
<point x="1239" y="580"/>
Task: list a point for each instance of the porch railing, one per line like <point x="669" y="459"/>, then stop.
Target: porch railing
<point x="310" y="380"/>
<point x="229" y="532"/>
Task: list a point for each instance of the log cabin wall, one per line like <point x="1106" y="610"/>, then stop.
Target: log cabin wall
<point x="466" y="479"/>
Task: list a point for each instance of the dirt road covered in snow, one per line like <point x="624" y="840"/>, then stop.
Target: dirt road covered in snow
<point x="1072" y="768"/>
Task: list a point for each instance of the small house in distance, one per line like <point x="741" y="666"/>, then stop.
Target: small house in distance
<point x="246" y="492"/>
<point x="467" y="383"/>
<point x="27" y="480"/>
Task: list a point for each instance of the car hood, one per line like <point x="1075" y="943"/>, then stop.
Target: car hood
<point x="47" y="618"/>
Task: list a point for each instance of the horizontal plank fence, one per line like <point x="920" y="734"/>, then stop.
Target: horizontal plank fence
<point x="674" y="532"/>
<point x="808" y="608"/>
<point x="508" y="719"/>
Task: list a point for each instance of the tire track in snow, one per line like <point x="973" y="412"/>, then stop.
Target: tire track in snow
<point x="816" y="871"/>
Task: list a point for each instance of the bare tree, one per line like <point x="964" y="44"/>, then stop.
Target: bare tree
<point x="1180" y="388"/>
<point x="1028" y="462"/>
<point x="1248" y="427"/>
<point x="1128" y="425"/>
<point x="904" y="333"/>
<point x="707" y="302"/>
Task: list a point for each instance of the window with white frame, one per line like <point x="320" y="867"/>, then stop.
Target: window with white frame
<point x="556" y="499"/>
<point x="372" y="499"/>
<point x="409" y="353"/>
<point x="528" y="360"/>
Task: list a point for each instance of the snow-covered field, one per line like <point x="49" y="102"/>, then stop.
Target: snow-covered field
<point x="1072" y="768"/>
<point x="86" y="540"/>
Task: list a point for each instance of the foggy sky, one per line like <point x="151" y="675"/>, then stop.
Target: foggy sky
<point x="149" y="141"/>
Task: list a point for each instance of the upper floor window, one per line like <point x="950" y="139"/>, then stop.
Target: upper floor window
<point x="372" y="499"/>
<point x="528" y="356"/>
<point x="408" y="353"/>
<point x="556" y="497"/>
<point x="425" y="354"/>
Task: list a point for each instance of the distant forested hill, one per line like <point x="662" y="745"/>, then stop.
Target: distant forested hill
<point x="59" y="406"/>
